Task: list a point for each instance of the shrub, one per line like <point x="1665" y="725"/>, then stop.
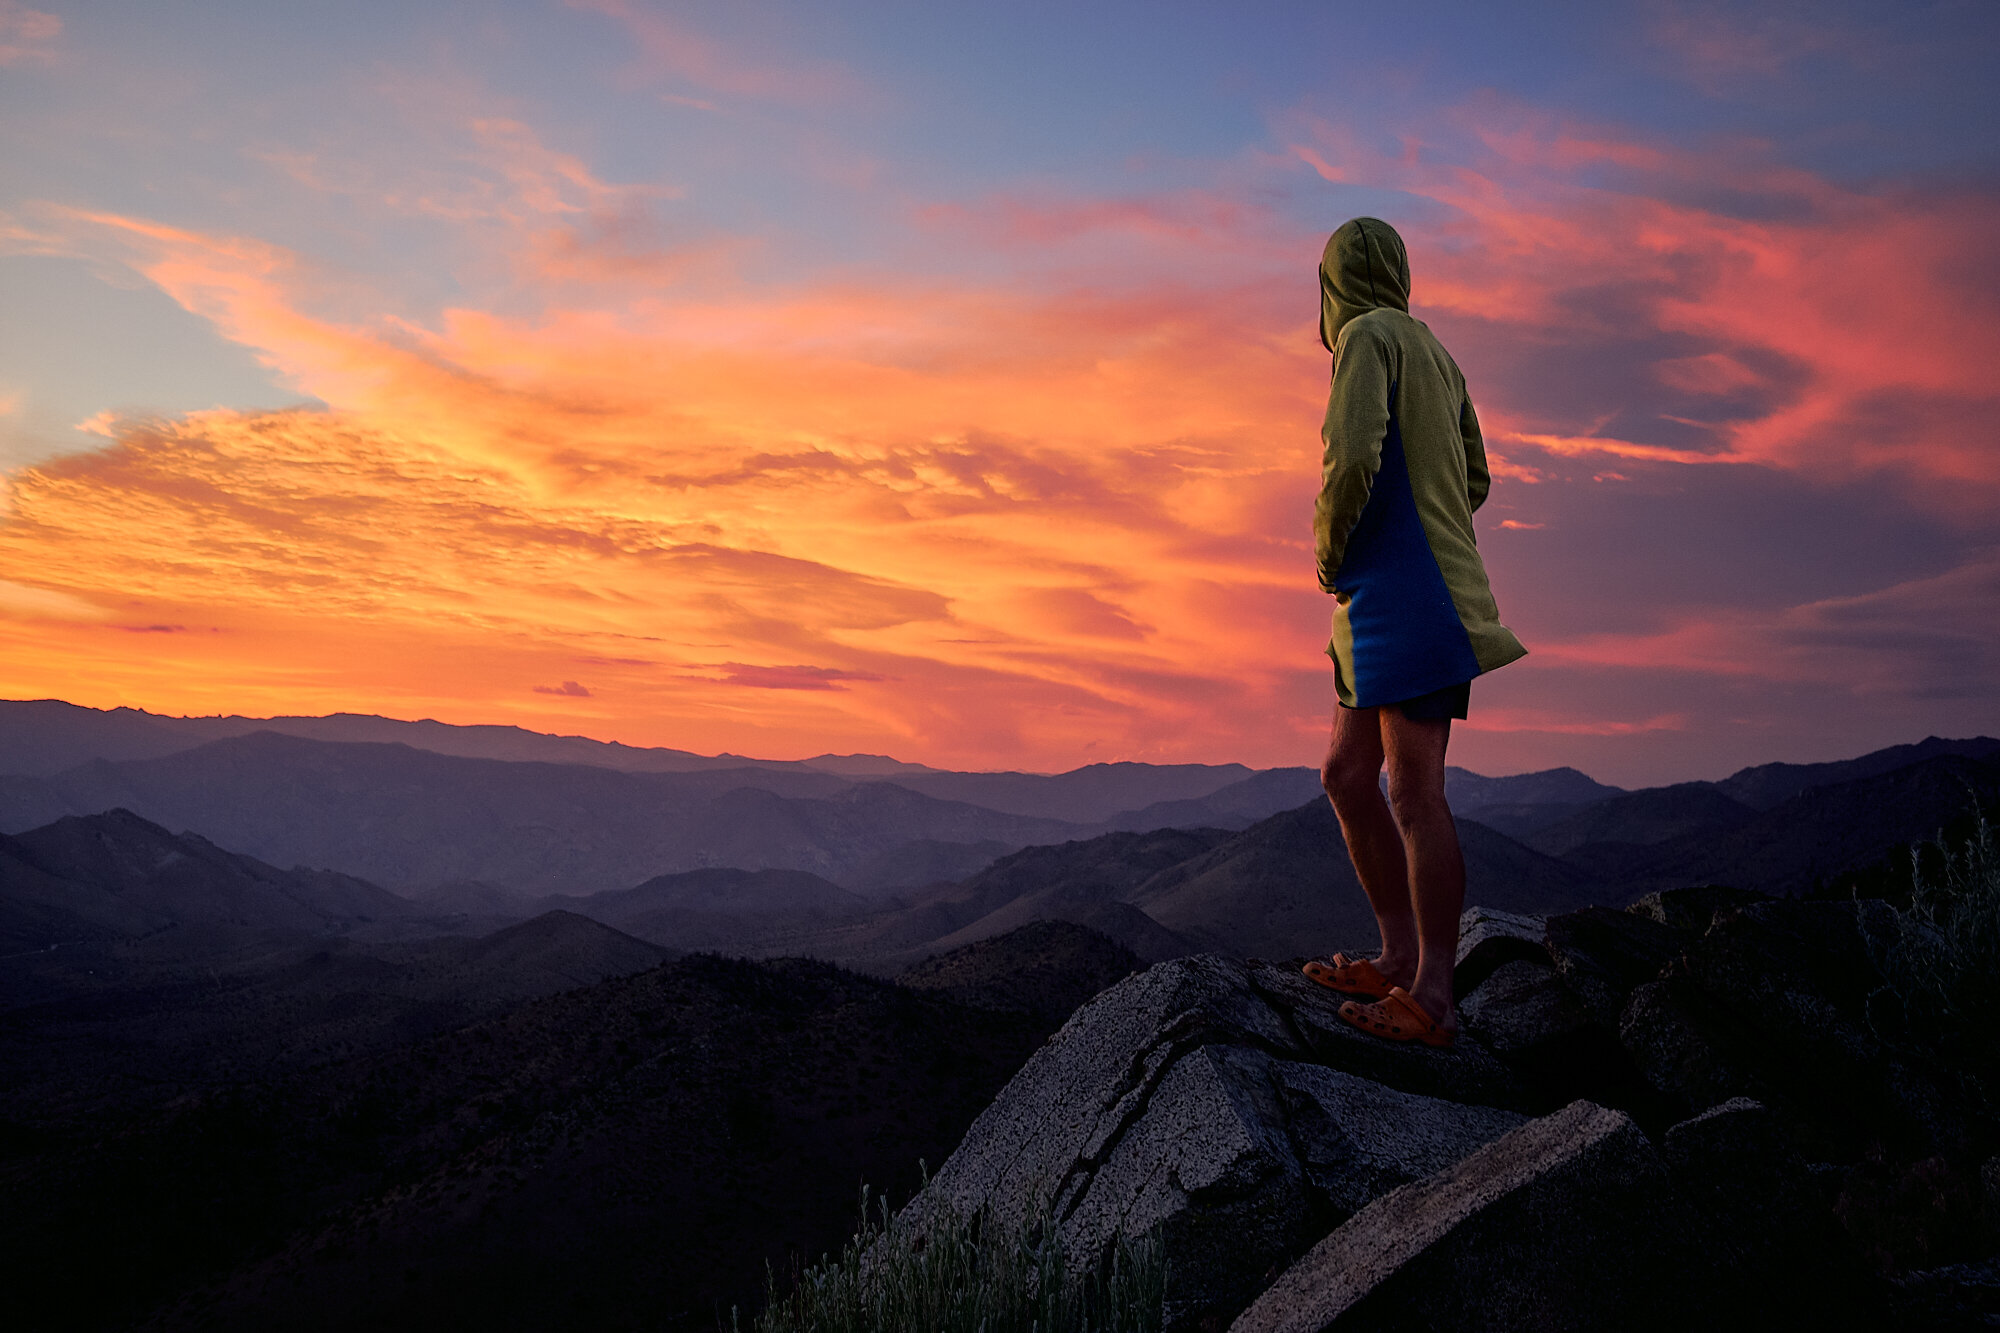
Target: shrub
<point x="951" y="1274"/>
<point x="1941" y="963"/>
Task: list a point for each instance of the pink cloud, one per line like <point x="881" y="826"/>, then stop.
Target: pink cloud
<point x="673" y="50"/>
<point x="1825" y="328"/>
<point x="1550" y="723"/>
<point x="27" y="36"/>
<point x="1937" y="636"/>
<point x="1725" y="46"/>
<point x="1215" y="222"/>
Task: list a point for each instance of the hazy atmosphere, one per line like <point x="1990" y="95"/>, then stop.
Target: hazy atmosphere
<point x="942" y="381"/>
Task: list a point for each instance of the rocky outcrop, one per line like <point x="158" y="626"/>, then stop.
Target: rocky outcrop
<point x="1568" y="1223"/>
<point x="1620" y="1137"/>
<point x="1206" y="1100"/>
<point x="1695" y="907"/>
<point x="1489" y="939"/>
<point x="1603" y="954"/>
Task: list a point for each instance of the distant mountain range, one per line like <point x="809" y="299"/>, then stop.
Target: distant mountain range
<point x="858" y="859"/>
<point x="463" y="1053"/>
<point x="442" y="806"/>
<point x="1280" y="888"/>
<point x="117" y="876"/>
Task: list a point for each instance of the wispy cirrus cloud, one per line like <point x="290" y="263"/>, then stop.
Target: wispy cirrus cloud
<point x="790" y="677"/>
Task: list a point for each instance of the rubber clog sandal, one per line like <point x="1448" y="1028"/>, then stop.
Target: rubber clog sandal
<point x="1395" y="1017"/>
<point x="1349" y="976"/>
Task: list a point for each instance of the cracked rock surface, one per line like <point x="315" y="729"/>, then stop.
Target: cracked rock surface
<point x="1568" y="1223"/>
<point x="1222" y="1107"/>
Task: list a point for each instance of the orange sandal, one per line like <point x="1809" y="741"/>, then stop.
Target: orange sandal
<point x="1349" y="976"/>
<point x="1396" y="1017"/>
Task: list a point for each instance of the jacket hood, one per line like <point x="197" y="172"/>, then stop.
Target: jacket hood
<point x="1364" y="267"/>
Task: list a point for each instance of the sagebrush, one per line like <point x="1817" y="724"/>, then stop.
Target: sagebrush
<point x="1941" y="963"/>
<point x="952" y="1274"/>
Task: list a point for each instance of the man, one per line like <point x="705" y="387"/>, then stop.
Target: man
<point x="1414" y="621"/>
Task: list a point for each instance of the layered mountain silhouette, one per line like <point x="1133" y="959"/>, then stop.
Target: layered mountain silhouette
<point x="1658" y="814"/>
<point x="417" y="820"/>
<point x="410" y="818"/>
<point x="457" y="1064"/>
<point x="868" y="861"/>
<point x="721" y="908"/>
<point x="44" y="737"/>
<point x="117" y="876"/>
<point x="1810" y="838"/>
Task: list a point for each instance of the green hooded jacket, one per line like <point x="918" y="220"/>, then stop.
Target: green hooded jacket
<point x="1403" y="470"/>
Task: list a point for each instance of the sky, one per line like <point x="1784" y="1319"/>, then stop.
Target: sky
<point x="942" y="380"/>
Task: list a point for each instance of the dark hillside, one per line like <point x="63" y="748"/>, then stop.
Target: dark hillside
<point x="1046" y="970"/>
<point x="623" y="1156"/>
<point x="1084" y="795"/>
<point x="1286" y="888"/>
<point x="1821" y="833"/>
<point x="1083" y="881"/>
<point x="1469" y="791"/>
<point x="115" y="875"/>
<point x="718" y="909"/>
<point x="1236" y="806"/>
<point x="133" y="1024"/>
<point x="1769" y="785"/>
<point x="1654" y="815"/>
<point x="1281" y="888"/>
<point x="920" y="863"/>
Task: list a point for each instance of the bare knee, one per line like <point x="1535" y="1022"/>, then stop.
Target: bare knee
<point x="1351" y="779"/>
<point x="1417" y="798"/>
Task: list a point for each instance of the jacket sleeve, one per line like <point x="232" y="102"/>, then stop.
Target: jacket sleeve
<point x="1478" y="480"/>
<point x="1357" y="423"/>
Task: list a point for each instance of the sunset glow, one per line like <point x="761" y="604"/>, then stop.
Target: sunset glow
<point x="655" y="374"/>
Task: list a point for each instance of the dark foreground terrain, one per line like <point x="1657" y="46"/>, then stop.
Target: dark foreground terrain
<point x="628" y="1154"/>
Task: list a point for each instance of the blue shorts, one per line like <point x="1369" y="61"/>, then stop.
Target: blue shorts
<point x="1450" y="702"/>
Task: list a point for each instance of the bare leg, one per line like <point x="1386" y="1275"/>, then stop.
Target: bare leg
<point x="1351" y="776"/>
<point x="1415" y="751"/>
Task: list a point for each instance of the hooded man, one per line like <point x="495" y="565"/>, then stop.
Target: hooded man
<point x="1413" y="622"/>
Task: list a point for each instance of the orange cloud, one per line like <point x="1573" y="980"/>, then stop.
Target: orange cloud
<point x="1020" y="521"/>
<point x="1579" y="446"/>
<point x="968" y="517"/>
